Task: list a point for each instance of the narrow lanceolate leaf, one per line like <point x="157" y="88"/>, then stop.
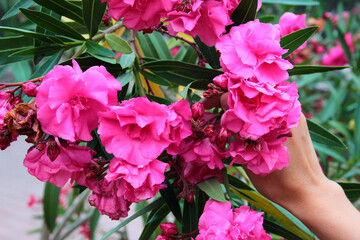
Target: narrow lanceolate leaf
<point x="295" y="39"/>
<point x="245" y="12"/>
<point x="50" y="23"/>
<point x="271" y="227"/>
<point x="31" y="34"/>
<point x="157" y="99"/>
<point x="352" y="190"/>
<point x="169" y="196"/>
<point x="126" y="60"/>
<point x="154" y="205"/>
<point x="344" y="45"/>
<point x="50" y="204"/>
<point x="15" y="8"/>
<point x="213" y="189"/>
<point x="309" y="69"/>
<point x="93" y="12"/>
<point x="64" y="8"/>
<point x="118" y="44"/>
<point x="97" y="49"/>
<point x="323" y="136"/>
<point x="153" y="45"/>
<point x="44" y="50"/>
<point x="10" y="45"/>
<point x="210" y="53"/>
<point x="155" y="78"/>
<point x="48" y="65"/>
<point x="153" y="222"/>
<point x="293" y="2"/>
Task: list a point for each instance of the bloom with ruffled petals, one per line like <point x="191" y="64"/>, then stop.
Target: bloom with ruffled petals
<point x="290" y="22"/>
<point x="197" y="172"/>
<point x="262" y="156"/>
<point x="137" y="182"/>
<point x="56" y="163"/>
<point x="135" y="130"/>
<point x="69" y="100"/>
<point x="257" y="108"/>
<point x="108" y="202"/>
<point x="139" y="14"/>
<point x="253" y="49"/>
<point x="206" y="19"/>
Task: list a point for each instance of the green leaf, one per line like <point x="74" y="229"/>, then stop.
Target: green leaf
<point x="14" y="10"/>
<point x="357" y="127"/>
<point x="104" y="59"/>
<point x="93" y="12"/>
<point x="184" y="70"/>
<point x="352" y="190"/>
<point x="245" y="12"/>
<point x="210" y="53"/>
<point x="309" y="69"/>
<point x="97" y="49"/>
<point x="50" y="205"/>
<point x="158" y="99"/>
<point x="190" y="217"/>
<point x="169" y="196"/>
<point x="10" y="45"/>
<point x="266" y="19"/>
<point x="88" y="62"/>
<point x="48" y="65"/>
<point x="118" y="44"/>
<point x="154" y="45"/>
<point x="155" y="78"/>
<point x="190" y="56"/>
<point x="293" y="2"/>
<point x="94" y="220"/>
<point x="21" y="70"/>
<point x="213" y="189"/>
<point x="44" y="50"/>
<point x="126" y="60"/>
<point x="33" y="35"/>
<point x="154" y="221"/>
<point x="125" y="78"/>
<point x="63" y="8"/>
<point x="295" y="39"/>
<point x="272" y="227"/>
<point x="154" y="205"/>
<point x="50" y="23"/>
<point x="323" y="136"/>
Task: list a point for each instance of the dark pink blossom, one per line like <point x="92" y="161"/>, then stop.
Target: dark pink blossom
<point x="206" y="19"/>
<point x="5" y="106"/>
<point x="69" y="100"/>
<point x="197" y="172"/>
<point x="218" y="221"/>
<point x="135" y="130"/>
<point x="336" y="55"/>
<point x="257" y="108"/>
<point x="30" y="89"/>
<point x="253" y="49"/>
<point x="136" y="182"/>
<point x="70" y="160"/>
<point x="139" y="14"/>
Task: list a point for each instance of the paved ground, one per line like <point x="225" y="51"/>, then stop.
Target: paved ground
<point x="16" y="185"/>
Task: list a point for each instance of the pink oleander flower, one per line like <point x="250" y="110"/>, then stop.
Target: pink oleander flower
<point x="256" y="108"/>
<point x="139" y="14"/>
<point x="290" y="22"/>
<point x="56" y="162"/>
<point x="231" y="5"/>
<point x="136" y="182"/>
<point x="204" y="150"/>
<point x="336" y="55"/>
<point x="138" y="130"/>
<point x="168" y="229"/>
<point x="253" y="49"/>
<point x="178" y="124"/>
<point x="206" y="19"/>
<point x="263" y="156"/>
<point x="69" y="100"/>
<point x="108" y="202"/>
<point x="218" y="221"/>
<point x="196" y="172"/>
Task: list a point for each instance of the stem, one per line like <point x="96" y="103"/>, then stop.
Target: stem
<point x="80" y="51"/>
<point x="4" y="85"/>
<point x="138" y="82"/>
<point x="75" y="225"/>
<point x="111" y="29"/>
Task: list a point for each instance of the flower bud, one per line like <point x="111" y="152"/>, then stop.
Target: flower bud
<point x="30" y="89"/>
<point x="197" y="110"/>
<point x="221" y="81"/>
<point x="168" y="229"/>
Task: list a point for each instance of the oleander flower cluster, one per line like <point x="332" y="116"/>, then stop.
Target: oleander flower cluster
<point x="206" y="19"/>
<point x="126" y="152"/>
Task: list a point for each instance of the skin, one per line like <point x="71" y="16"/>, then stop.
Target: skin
<point x="303" y="189"/>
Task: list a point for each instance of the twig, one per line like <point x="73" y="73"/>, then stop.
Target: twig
<point x="111" y="29"/>
<point x="19" y="84"/>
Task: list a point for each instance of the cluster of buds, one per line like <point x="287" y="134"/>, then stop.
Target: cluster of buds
<point x="170" y="231"/>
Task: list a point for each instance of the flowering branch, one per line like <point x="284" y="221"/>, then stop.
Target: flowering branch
<point x="5" y="85"/>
